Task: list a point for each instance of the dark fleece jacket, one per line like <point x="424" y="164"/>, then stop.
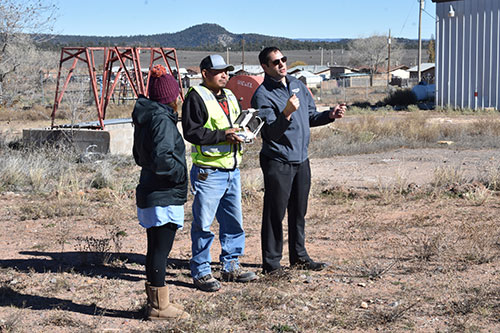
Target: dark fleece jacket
<point x="159" y="149"/>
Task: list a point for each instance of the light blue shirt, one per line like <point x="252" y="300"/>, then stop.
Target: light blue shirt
<point x="157" y="216"/>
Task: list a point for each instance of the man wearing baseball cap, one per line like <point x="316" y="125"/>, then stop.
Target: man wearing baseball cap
<point x="208" y="115"/>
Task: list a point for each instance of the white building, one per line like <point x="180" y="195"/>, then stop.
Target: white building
<point x="247" y="69"/>
<point x="309" y="79"/>
<point x="468" y="53"/>
<point x="323" y="71"/>
<point x="401" y="72"/>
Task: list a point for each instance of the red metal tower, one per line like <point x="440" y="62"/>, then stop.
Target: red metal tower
<point x="111" y="56"/>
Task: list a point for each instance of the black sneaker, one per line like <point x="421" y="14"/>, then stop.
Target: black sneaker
<point x="238" y="275"/>
<point x="207" y="283"/>
<point x="310" y="265"/>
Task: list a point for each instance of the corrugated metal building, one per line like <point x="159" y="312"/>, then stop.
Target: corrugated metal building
<point x="468" y="53"/>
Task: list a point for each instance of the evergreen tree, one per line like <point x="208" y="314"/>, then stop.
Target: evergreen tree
<point x="431" y="49"/>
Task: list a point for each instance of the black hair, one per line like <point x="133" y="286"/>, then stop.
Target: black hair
<point x="264" y="54"/>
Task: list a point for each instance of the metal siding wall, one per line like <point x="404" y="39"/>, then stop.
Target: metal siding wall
<point x="442" y="42"/>
<point x="468" y="54"/>
<point x="454" y="27"/>
<point x="497" y="39"/>
<point x="459" y="56"/>
<point x="447" y="60"/>
<point x="482" y="52"/>
<point x="495" y="58"/>
<point x="488" y="53"/>
<point x="461" y="62"/>
<point x="438" y="60"/>
<point x="469" y="97"/>
<point x="475" y="56"/>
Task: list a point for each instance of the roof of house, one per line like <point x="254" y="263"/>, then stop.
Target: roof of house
<point x="305" y="74"/>
<point x="311" y="68"/>
<point x="341" y="66"/>
<point x="395" y="68"/>
<point x="354" y="75"/>
<point x="250" y="69"/>
<point x="423" y="67"/>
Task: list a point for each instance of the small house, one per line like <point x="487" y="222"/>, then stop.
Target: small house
<point x="311" y="80"/>
<point x="427" y="72"/>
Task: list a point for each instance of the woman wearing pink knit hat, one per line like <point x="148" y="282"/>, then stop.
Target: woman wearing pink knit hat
<point x="162" y="191"/>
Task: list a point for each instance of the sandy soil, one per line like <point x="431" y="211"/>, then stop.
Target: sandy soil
<point x="378" y="278"/>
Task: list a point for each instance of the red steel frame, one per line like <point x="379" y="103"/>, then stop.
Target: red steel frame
<point x="111" y="55"/>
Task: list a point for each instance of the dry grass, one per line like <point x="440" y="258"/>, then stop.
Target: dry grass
<point x="402" y="258"/>
<point x="375" y="133"/>
<point x="390" y="262"/>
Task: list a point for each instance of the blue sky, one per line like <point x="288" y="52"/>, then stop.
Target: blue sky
<point x="283" y="18"/>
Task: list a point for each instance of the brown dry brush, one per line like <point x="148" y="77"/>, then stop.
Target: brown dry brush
<point x="471" y="306"/>
<point x="457" y="239"/>
<point x="375" y="133"/>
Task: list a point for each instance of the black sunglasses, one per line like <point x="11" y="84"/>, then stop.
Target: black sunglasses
<point x="277" y="61"/>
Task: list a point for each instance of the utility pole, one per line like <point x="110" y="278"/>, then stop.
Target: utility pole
<point x="321" y="56"/>
<point x="422" y="5"/>
<point x="389" y="58"/>
<point x="227" y="55"/>
<point x="242" y="54"/>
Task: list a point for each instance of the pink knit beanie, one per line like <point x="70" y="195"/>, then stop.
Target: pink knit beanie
<point x="163" y="87"/>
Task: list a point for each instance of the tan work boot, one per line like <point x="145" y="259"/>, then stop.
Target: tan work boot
<point x="159" y="306"/>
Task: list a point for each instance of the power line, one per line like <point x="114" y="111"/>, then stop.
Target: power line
<point x="428" y="14"/>
<point x="407" y="17"/>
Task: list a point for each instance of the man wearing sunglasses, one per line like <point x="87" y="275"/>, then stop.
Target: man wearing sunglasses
<point x="288" y="110"/>
<point x="208" y="115"/>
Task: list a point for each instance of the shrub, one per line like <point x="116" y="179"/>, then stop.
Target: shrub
<point x="401" y="97"/>
<point x="362" y="105"/>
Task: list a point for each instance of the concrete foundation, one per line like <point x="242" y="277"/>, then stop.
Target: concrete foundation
<point x="117" y="138"/>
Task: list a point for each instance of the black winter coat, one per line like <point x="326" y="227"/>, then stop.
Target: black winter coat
<point x="159" y="149"/>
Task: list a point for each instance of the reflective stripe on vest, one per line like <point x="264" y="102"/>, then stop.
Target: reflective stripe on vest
<point x="214" y="149"/>
<point x="221" y="155"/>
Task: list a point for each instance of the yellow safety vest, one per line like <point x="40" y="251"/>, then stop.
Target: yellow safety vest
<point x="222" y="155"/>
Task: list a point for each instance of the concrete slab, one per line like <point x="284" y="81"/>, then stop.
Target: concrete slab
<point x="115" y="139"/>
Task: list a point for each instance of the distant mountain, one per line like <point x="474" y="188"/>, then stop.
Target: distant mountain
<point x="319" y="39"/>
<point x="207" y="36"/>
<point x="199" y="37"/>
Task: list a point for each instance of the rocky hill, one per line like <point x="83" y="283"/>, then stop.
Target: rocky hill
<point x="207" y="36"/>
<point x="199" y="37"/>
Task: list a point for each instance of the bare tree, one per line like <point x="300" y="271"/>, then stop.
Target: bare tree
<point x="22" y="22"/>
<point x="77" y="98"/>
<point x="372" y="53"/>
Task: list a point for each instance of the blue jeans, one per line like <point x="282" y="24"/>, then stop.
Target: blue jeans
<point x="217" y="194"/>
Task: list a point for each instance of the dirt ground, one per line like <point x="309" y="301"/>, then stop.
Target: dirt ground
<point x="401" y="259"/>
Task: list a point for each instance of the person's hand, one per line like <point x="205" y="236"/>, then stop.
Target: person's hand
<point x="231" y="136"/>
<point x="338" y="111"/>
<point x="292" y="105"/>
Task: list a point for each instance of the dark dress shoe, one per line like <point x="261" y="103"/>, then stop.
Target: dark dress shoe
<point x="279" y="272"/>
<point x="309" y="265"/>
